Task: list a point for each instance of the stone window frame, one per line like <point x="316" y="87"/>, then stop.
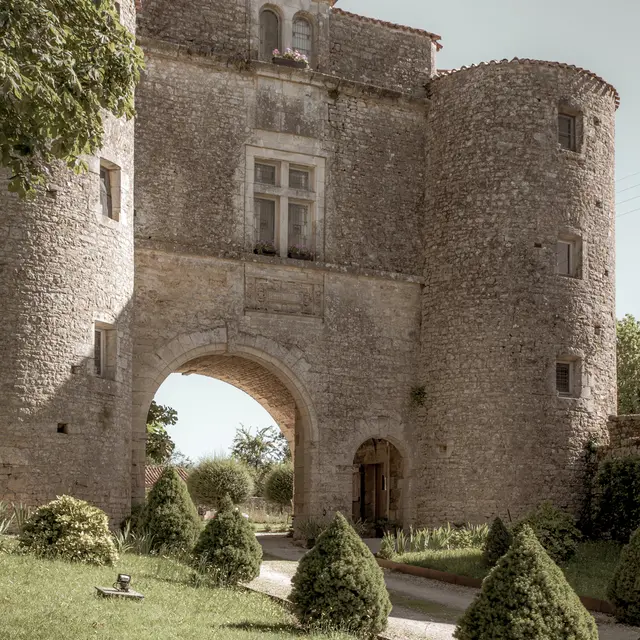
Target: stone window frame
<point x="568" y="109"/>
<point x="576" y="257"/>
<point x="107" y="334"/>
<point x="116" y="182"/>
<point x="574" y="363"/>
<point x="281" y="193"/>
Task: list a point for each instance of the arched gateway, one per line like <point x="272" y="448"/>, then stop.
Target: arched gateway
<point x="258" y="372"/>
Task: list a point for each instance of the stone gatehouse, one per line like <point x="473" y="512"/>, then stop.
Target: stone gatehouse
<point x="376" y="250"/>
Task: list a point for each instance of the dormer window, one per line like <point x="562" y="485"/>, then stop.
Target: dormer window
<point x="269" y="33"/>
<point x="302" y="36"/>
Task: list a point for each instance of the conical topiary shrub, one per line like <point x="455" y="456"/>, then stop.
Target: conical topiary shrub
<point x="526" y="597"/>
<point x="227" y="550"/>
<point x="169" y="515"/>
<point x="339" y="584"/>
<point x="497" y="543"/>
<point x="624" y="588"/>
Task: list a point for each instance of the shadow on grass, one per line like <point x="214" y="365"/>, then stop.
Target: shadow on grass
<point x="276" y="627"/>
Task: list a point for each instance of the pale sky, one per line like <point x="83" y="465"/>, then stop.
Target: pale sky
<point x="598" y="36"/>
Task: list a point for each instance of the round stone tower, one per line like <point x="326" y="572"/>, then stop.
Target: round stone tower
<point x="518" y="332"/>
<point x="66" y="286"/>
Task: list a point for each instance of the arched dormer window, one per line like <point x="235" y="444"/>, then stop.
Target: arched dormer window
<point x="302" y="36"/>
<point x="269" y="33"/>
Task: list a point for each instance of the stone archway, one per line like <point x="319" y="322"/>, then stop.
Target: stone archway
<point x="377" y="481"/>
<point x="259" y="371"/>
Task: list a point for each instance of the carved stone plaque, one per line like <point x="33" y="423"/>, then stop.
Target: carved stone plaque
<point x="281" y="292"/>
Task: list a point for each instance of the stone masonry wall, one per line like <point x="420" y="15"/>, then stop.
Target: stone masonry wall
<point x="624" y="437"/>
<point x="62" y="267"/>
<point x="496" y="316"/>
<point x="366" y="51"/>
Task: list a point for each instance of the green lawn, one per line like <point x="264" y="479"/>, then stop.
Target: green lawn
<point x="588" y="572"/>
<point x="46" y="600"/>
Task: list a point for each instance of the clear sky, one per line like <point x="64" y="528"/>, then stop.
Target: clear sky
<point x="598" y="36"/>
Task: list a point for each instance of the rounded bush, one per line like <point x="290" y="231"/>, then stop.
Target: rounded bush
<point x="556" y="531"/>
<point x="227" y="550"/>
<point x="526" y="597"/>
<point x="69" y="529"/>
<point x="624" y="588"/>
<point x="497" y="543"/>
<point x="278" y="485"/>
<point x="214" y="478"/>
<point x="339" y="584"/>
<point x="169" y="516"/>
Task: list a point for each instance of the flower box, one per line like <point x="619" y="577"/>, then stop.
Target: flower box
<point x="288" y="62"/>
<point x="265" y="249"/>
<point x="300" y="253"/>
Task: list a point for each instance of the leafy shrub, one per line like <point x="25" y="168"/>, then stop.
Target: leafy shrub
<point x="618" y="507"/>
<point x="387" y="547"/>
<point x="497" y="543"/>
<point x="624" y="589"/>
<point x="278" y="485"/>
<point x="169" y="517"/>
<point x="556" y="531"/>
<point x="69" y="529"/>
<point x="526" y="596"/>
<point x="227" y="550"/>
<point x="339" y="585"/>
<point x="445" y="537"/>
<point x="214" y="478"/>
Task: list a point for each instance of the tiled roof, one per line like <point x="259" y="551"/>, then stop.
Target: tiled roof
<point x="153" y="472"/>
<point x="421" y="32"/>
<point x="528" y="61"/>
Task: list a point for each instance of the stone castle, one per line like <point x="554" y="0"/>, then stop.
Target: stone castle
<point x="412" y="270"/>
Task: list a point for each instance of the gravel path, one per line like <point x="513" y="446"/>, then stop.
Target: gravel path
<point x="422" y="609"/>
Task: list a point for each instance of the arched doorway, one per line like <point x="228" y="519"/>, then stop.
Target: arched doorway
<point x="378" y="472"/>
<point x="257" y="373"/>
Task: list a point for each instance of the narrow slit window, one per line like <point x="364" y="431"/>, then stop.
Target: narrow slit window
<point x="99" y="351"/>
<point x="565" y="258"/>
<point x="265" y="173"/>
<point x="299" y="179"/>
<point x="563" y="378"/>
<point x="298" y="231"/>
<point x="265" y="212"/>
<point x="106" y="193"/>
<point x="302" y="36"/>
<point x="567" y="131"/>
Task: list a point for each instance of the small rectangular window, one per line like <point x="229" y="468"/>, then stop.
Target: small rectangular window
<point x="265" y="173"/>
<point x="567" y="131"/>
<point x="99" y="339"/>
<point x="563" y="378"/>
<point x="565" y="251"/>
<point x="265" y="213"/>
<point x="298" y="226"/>
<point x="299" y="179"/>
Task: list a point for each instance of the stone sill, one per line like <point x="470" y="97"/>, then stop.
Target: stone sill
<point x="201" y="55"/>
<point x="247" y="257"/>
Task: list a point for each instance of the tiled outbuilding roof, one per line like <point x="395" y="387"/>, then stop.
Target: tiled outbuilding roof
<point x="391" y="25"/>
<point x="153" y="472"/>
<point x="528" y="61"/>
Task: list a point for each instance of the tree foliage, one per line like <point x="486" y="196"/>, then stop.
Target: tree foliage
<point x="278" y="485"/>
<point x="62" y="62"/>
<point x="263" y="449"/>
<point x="624" y="589"/>
<point x="339" y="584"/>
<point x="213" y="478"/>
<point x="526" y="597"/>
<point x="160" y="447"/>
<point x="169" y="515"/>
<point x="227" y="550"/>
<point x="628" y="358"/>
<point x="497" y="543"/>
<point x="617" y="512"/>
